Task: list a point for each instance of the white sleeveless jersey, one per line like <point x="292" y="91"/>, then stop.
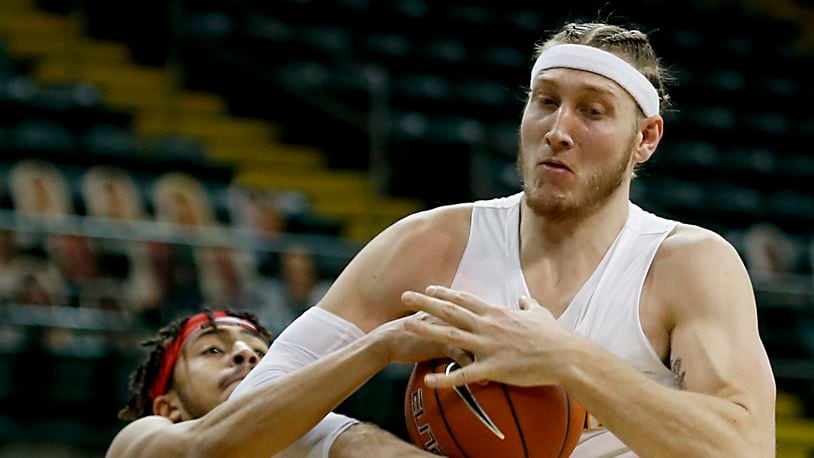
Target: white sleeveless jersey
<point x="605" y="310"/>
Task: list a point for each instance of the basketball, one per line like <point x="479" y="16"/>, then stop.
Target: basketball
<point x="492" y="420"/>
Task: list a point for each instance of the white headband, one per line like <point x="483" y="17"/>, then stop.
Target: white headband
<point x="595" y="60"/>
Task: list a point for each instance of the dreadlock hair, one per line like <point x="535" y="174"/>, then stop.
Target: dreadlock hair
<point x="141" y="403"/>
<point x="630" y="45"/>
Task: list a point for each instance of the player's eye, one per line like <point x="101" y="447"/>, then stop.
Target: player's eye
<point x="595" y="111"/>
<point x="212" y="351"/>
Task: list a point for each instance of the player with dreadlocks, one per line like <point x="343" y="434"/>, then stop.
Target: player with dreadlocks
<point x="151" y="380"/>
<point x="179" y="403"/>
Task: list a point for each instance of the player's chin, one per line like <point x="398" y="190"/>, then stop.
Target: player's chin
<point x="228" y="390"/>
<point x="552" y="189"/>
<point x="548" y="195"/>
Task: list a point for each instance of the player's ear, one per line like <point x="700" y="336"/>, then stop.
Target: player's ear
<point x="168" y="405"/>
<point x="648" y="137"/>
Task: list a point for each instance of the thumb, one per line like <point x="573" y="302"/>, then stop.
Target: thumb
<point x="527" y="303"/>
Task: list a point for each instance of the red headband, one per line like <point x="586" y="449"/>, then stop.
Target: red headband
<point x="195" y="323"/>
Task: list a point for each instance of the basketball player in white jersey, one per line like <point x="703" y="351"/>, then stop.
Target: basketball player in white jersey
<point x="649" y="323"/>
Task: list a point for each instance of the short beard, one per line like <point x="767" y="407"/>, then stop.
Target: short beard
<point x="600" y="186"/>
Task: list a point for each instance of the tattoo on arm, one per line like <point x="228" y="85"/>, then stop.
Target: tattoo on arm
<point x="678" y="374"/>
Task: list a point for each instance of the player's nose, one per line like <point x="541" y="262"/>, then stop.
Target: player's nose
<point x="243" y="354"/>
<point x="558" y="136"/>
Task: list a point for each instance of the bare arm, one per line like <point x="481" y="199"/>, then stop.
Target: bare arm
<point x="727" y="408"/>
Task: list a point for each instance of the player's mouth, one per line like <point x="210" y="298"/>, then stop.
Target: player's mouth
<point x="555" y="166"/>
<point x="230" y="386"/>
<point x="229" y="382"/>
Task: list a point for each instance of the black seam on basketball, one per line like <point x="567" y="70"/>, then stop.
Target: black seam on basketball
<point x="516" y="420"/>
<point x="567" y="424"/>
<point x="446" y="424"/>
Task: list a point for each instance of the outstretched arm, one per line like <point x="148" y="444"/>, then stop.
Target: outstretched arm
<point x="726" y="402"/>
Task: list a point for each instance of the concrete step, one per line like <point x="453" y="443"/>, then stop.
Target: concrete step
<point x="268" y="156"/>
<point x="67" y="50"/>
<point x="33" y="23"/>
<point x="205" y="127"/>
<point x="152" y="100"/>
<point x="316" y="186"/>
<point x="11" y="7"/>
<point x="107" y="77"/>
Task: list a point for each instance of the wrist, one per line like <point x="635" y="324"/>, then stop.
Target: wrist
<point x="377" y="347"/>
<point x="576" y="357"/>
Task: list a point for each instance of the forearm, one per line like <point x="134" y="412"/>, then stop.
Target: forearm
<point x="654" y="420"/>
<point x="272" y="416"/>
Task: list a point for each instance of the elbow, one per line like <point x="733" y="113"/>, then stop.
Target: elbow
<point x="739" y="448"/>
<point x="737" y="439"/>
<point x="749" y="432"/>
<point x="761" y="444"/>
<point x="745" y="442"/>
<point x="748" y="449"/>
<point x="756" y="436"/>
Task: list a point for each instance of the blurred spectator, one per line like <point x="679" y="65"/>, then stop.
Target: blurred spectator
<point x="258" y="213"/>
<point x="74" y="256"/>
<point x="181" y="199"/>
<point x="111" y="193"/>
<point x="299" y="285"/>
<point x="8" y="249"/>
<point x="39" y="189"/>
<point x="224" y="277"/>
<point x="36" y="282"/>
<point x="106" y="294"/>
<point x="769" y="252"/>
<point x="256" y="210"/>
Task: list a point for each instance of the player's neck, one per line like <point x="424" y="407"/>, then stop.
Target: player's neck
<point x="541" y="237"/>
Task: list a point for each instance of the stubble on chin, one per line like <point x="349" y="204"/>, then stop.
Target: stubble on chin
<point x="589" y="194"/>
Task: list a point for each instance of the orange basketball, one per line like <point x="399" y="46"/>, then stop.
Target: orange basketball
<point x="492" y="420"/>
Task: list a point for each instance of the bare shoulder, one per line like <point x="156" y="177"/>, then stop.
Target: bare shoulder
<point x="692" y="250"/>
<point x="434" y="233"/>
<point x="696" y="269"/>
<point x="690" y="241"/>
<point x="451" y="221"/>
<point x="134" y="440"/>
<point x="419" y="250"/>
